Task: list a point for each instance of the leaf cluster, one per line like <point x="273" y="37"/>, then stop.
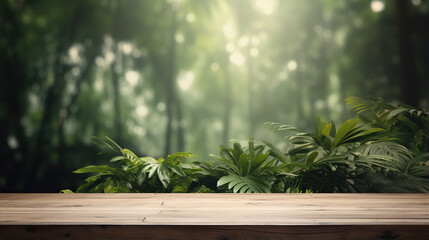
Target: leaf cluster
<point x="384" y="144"/>
<point x="137" y="174"/>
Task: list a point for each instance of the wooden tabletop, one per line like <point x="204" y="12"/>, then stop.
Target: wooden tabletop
<point x="214" y="209"/>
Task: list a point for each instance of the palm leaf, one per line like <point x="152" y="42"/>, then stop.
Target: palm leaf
<point x="246" y="184"/>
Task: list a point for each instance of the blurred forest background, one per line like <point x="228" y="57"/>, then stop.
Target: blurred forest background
<point x="161" y="76"/>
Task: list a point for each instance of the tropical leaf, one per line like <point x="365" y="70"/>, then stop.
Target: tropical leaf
<point x="281" y="127"/>
<point x="244" y="169"/>
<point x="133" y="174"/>
<point x="246" y="184"/>
<point x="94" y="169"/>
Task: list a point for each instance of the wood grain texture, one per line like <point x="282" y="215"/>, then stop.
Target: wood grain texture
<point x="215" y="209"/>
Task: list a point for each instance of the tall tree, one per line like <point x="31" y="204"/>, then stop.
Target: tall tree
<point x="170" y="83"/>
<point x="227" y="98"/>
<point x="409" y="81"/>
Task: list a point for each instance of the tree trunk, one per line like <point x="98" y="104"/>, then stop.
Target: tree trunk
<point x="227" y="100"/>
<point x="38" y="165"/>
<point x="180" y="126"/>
<point x="85" y="75"/>
<point x="409" y="83"/>
<point x="116" y="98"/>
<point x="13" y="92"/>
<point x="36" y="168"/>
<point x="251" y="96"/>
<point x="170" y="83"/>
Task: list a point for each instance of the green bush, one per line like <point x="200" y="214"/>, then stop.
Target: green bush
<point x="383" y="149"/>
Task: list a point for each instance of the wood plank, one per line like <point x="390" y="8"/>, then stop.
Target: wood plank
<point x="214" y="209"/>
<point x="214" y="216"/>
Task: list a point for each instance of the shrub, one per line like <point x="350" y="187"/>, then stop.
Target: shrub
<point x="383" y="149"/>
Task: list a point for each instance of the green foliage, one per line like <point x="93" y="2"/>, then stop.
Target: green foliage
<point x="408" y="125"/>
<point x="136" y="174"/>
<point x="330" y="160"/>
<point x="364" y="154"/>
<point x="244" y="170"/>
<point x="66" y="191"/>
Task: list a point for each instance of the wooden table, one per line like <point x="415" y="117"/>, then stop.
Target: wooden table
<point x="214" y="216"/>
